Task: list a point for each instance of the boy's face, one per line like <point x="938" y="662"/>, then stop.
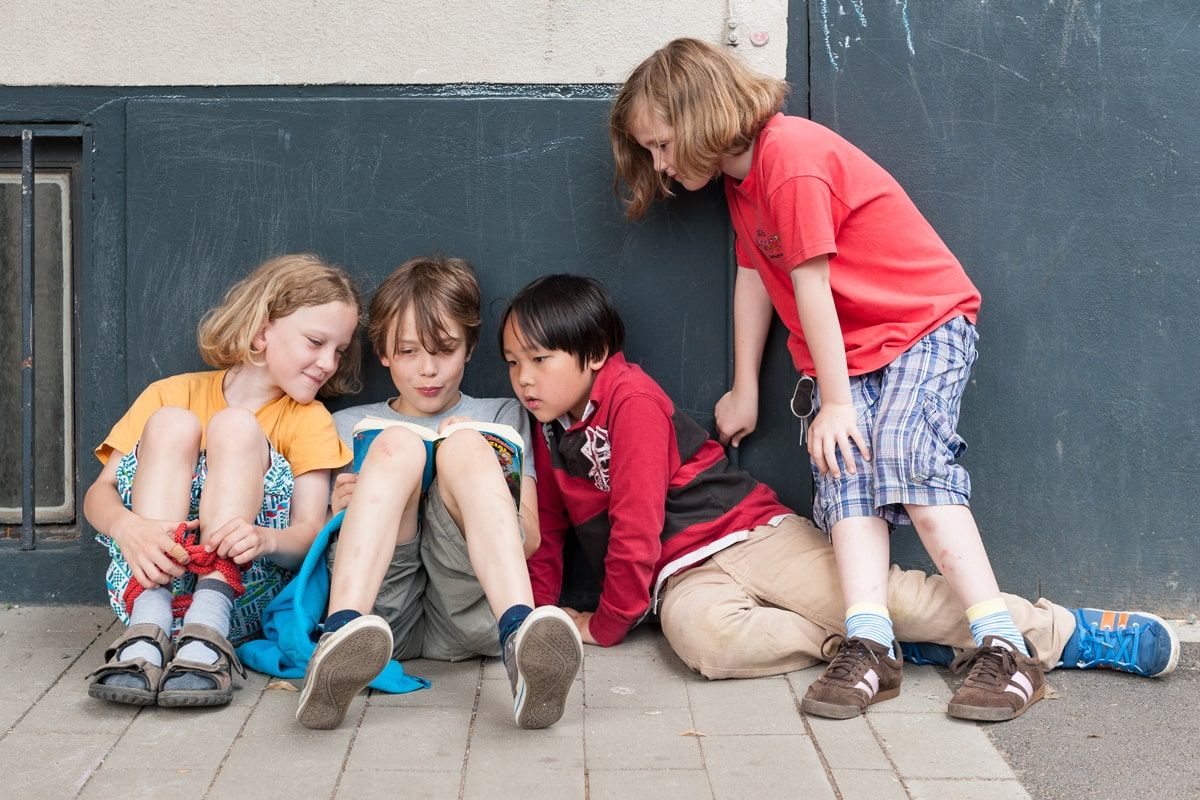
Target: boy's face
<point x="550" y="383"/>
<point x="427" y="382"/>
<point x="652" y="132"/>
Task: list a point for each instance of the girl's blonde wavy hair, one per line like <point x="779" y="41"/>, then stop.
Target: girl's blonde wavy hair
<point x="715" y="104"/>
<point x="278" y="287"/>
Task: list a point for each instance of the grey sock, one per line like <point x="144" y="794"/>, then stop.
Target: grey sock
<point x="212" y="605"/>
<point x="153" y="606"/>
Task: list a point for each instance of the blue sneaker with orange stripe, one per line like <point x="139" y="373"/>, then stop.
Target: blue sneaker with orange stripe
<point x="1129" y="641"/>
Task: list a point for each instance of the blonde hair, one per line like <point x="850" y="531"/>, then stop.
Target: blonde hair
<point x="715" y="104"/>
<point x="278" y="287"/>
<point x="437" y="288"/>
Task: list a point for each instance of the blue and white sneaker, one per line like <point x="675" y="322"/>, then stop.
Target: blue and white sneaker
<point x="1129" y="641"/>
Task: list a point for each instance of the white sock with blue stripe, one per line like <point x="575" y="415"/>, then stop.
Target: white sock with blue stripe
<point x="869" y="621"/>
<point x="991" y="618"/>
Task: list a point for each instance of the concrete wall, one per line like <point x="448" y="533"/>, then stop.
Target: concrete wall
<point x="272" y="42"/>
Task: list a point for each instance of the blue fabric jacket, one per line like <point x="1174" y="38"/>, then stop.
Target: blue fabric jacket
<point x="291" y="624"/>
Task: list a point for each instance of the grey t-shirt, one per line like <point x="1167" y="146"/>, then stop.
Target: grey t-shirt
<point x="482" y="409"/>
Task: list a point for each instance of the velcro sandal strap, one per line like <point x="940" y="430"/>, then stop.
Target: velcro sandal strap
<point x="211" y="637"/>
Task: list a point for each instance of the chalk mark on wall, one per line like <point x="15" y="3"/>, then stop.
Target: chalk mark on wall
<point x="860" y="15"/>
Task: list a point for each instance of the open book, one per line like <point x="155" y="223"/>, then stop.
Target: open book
<point x="504" y="439"/>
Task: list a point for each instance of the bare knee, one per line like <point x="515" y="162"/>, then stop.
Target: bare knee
<point x="463" y="450"/>
<point x="396" y="448"/>
<point x="172" y="430"/>
<point x="235" y="430"/>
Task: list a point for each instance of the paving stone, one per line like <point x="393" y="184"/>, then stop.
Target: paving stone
<point x="396" y="784"/>
<point x="300" y="764"/>
<point x="518" y="780"/>
<point x="747" y="767"/>
<point x="275" y="714"/>
<point x="454" y="685"/>
<point x="67" y="708"/>
<point x="632" y="682"/>
<point x="43" y="619"/>
<point x="674" y="784"/>
<point x="420" y="739"/>
<point x="924" y="691"/>
<point x="641" y="739"/>
<point x="848" y="743"/>
<point x="720" y="707"/>
<point x="148" y="784"/>
<point x="869" y="784"/>
<point x="967" y="790"/>
<point x="42" y="765"/>
<point x="246" y="690"/>
<point x="937" y="746"/>
<point x="194" y="739"/>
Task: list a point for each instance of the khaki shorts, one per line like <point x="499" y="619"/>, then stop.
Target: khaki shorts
<point x="430" y="595"/>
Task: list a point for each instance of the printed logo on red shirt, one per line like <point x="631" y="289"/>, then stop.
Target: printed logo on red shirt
<point x="597" y="450"/>
<point x="768" y="244"/>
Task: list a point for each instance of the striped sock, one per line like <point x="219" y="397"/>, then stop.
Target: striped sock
<point x="869" y="621"/>
<point x="991" y="618"/>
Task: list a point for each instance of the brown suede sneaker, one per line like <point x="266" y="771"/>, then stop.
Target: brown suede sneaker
<point x="1002" y="682"/>
<point x="863" y="672"/>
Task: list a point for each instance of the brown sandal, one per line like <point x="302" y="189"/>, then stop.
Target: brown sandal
<point x="140" y="667"/>
<point x="219" y="673"/>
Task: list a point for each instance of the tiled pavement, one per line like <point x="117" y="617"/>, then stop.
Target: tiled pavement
<point x="639" y="724"/>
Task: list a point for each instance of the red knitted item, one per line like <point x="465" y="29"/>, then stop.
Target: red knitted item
<point x="200" y="562"/>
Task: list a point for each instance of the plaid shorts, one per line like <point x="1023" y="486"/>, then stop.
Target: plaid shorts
<point x="908" y="411"/>
<point x="263" y="580"/>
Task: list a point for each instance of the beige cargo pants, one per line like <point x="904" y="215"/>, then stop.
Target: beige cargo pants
<point x="764" y="606"/>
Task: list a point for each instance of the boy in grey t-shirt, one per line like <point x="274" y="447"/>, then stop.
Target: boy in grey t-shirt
<point x="435" y="570"/>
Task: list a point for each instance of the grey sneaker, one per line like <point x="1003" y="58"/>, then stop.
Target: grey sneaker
<point x="542" y="659"/>
<point x="344" y="662"/>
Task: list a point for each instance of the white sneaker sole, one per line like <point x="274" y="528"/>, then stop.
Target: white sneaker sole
<point x="548" y="653"/>
<point x="356" y="654"/>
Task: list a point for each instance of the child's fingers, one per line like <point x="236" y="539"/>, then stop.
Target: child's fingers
<point x="861" y="441"/>
<point x="847" y="454"/>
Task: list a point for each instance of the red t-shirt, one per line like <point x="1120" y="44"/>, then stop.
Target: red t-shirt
<point x="810" y="192"/>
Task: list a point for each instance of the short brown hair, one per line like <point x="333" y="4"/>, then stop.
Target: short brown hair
<point x="278" y="287"/>
<point x="437" y="288"/>
<point x="715" y="104"/>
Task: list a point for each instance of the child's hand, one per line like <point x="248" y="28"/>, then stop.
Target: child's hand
<point x="448" y="421"/>
<point x="149" y="547"/>
<point x="239" y="540"/>
<point x="343" y="489"/>
<point x="836" y="424"/>
<point x="581" y="619"/>
<point x="736" y="416"/>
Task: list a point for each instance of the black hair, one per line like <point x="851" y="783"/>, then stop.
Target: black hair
<point x="571" y="313"/>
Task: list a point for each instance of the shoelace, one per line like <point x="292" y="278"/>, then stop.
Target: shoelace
<point x="1110" y="648"/>
<point x="846" y="665"/>
<point x="991" y="667"/>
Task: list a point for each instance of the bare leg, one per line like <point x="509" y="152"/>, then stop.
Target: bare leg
<point x="237" y="455"/>
<point x="952" y="540"/>
<point x="167" y="455"/>
<point x="477" y="497"/>
<point x="381" y="515"/>
<point x="862" y="549"/>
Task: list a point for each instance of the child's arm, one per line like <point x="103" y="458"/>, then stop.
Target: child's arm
<point x="836" y="424"/>
<point x="244" y="542"/>
<point x="737" y="411"/>
<point x="641" y="436"/>
<point x="148" y="545"/>
<point x="545" y="564"/>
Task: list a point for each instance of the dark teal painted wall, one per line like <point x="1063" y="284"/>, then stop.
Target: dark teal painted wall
<point x="1054" y="148"/>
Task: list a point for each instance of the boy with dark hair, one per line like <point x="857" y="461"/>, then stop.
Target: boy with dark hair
<point x="744" y="587"/>
<point x="440" y="563"/>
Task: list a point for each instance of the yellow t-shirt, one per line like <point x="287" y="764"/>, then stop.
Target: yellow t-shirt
<point x="303" y="434"/>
